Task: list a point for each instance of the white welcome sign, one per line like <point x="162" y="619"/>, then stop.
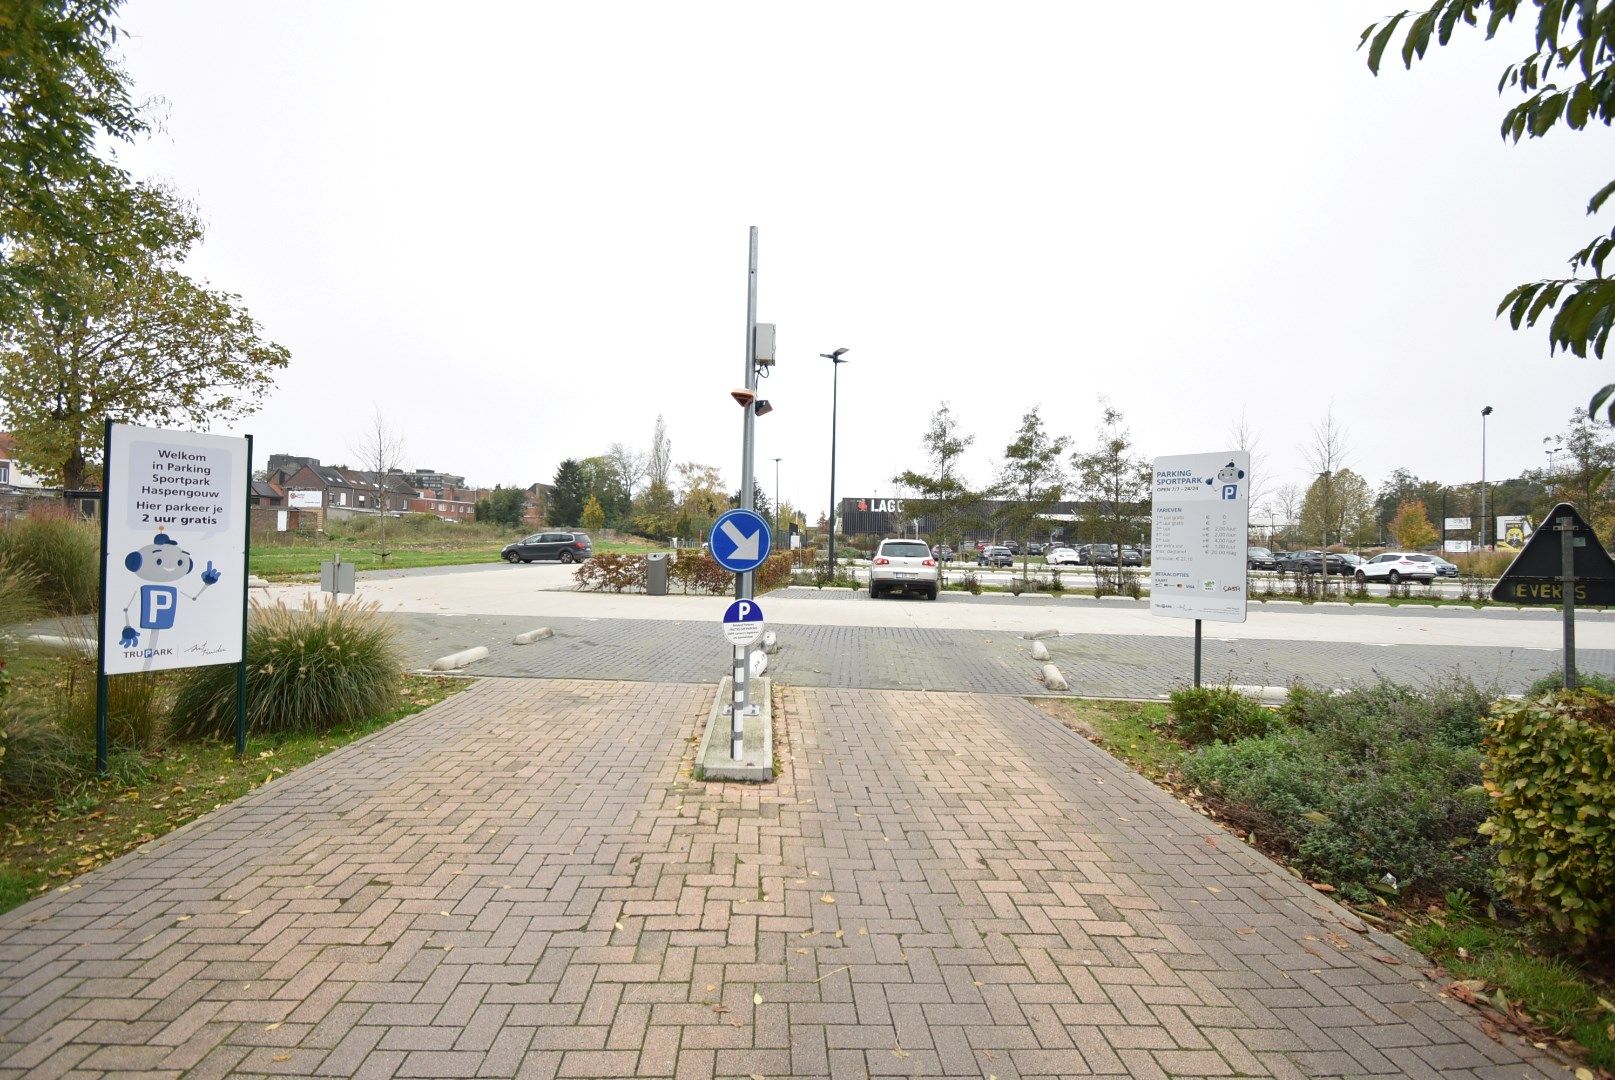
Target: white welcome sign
<point x="175" y="523"/>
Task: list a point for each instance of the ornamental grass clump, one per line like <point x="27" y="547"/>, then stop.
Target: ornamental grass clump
<point x="309" y="668"/>
<point x="60" y="554"/>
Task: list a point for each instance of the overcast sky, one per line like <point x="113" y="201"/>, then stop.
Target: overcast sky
<point x="519" y="230"/>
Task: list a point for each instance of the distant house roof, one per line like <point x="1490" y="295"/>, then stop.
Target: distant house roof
<point x="265" y="490"/>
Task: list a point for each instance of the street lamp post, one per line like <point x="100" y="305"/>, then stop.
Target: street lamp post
<point x="836" y="360"/>
<point x="1484" y="413"/>
<point x="779" y="519"/>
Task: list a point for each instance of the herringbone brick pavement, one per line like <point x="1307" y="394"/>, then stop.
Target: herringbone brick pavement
<point x="524" y="880"/>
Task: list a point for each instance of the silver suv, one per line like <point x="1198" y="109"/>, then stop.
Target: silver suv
<point x="904" y="565"/>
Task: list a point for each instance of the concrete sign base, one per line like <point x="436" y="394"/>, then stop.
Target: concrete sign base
<point x="712" y="760"/>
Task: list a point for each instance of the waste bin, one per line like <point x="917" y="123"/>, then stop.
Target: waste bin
<point x="656" y="573"/>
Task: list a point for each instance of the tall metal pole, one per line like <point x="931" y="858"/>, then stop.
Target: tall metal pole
<point x="1482" y="533"/>
<point x="1567" y="556"/>
<point x="835" y="377"/>
<point x="743" y="582"/>
<point x="779" y="519"/>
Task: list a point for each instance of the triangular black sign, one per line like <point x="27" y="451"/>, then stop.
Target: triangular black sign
<point x="1535" y="577"/>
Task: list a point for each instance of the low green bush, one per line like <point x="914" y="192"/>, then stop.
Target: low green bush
<point x="1208" y="714"/>
<point x="309" y="668"/>
<point x="1450" y="712"/>
<point x="1550" y="770"/>
<point x="1550" y="683"/>
<point x="1382" y="780"/>
<point x="61" y="554"/>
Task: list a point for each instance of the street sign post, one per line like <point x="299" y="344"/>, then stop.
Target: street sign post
<point x="1562" y="564"/>
<point x="740" y="541"/>
<point x="743" y="622"/>
<point x="1200" y="532"/>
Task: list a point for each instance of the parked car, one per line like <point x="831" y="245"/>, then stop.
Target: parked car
<point x="1131" y="556"/>
<point x="1098" y="554"/>
<point x="995" y="556"/>
<point x="1393" y="566"/>
<point x="1443" y="567"/>
<point x="1014" y="546"/>
<point x="944" y="553"/>
<point x="1061" y="556"/>
<point x="904" y="566"/>
<point x="1260" y="559"/>
<point x="567" y="547"/>
<point x="1352" y="561"/>
<point x="1313" y="562"/>
<point x="1034" y="549"/>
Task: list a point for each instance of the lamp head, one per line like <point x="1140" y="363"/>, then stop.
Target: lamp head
<point x="835" y="357"/>
<point x="762" y="408"/>
<point x="743" y="397"/>
<point x="1487" y="411"/>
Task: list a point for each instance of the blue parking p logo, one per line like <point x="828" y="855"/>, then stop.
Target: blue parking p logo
<point x="1230" y="491"/>
<point x="157" y="604"/>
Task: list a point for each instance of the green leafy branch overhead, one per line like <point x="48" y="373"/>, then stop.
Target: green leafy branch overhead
<point x="1568" y="79"/>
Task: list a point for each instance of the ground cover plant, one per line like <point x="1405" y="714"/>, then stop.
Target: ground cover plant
<point x="1348" y="788"/>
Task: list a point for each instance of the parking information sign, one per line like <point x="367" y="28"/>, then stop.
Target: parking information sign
<point x="176" y="546"/>
<point x="743" y="623"/>
<point x="1201" y="518"/>
<point x="740" y="541"/>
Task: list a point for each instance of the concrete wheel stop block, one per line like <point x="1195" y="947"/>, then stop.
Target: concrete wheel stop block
<point x="712" y="760"/>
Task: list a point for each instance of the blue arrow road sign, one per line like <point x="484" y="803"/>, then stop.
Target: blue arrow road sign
<point x="740" y="541"/>
<point x="743" y="611"/>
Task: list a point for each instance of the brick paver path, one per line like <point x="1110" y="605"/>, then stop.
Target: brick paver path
<point x="525" y="880"/>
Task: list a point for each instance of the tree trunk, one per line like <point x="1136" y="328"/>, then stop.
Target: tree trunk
<point x="73" y="470"/>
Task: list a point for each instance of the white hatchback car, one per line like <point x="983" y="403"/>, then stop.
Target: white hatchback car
<point x="1393" y="566"/>
<point x="904" y="565"/>
<point x="1062" y="556"/>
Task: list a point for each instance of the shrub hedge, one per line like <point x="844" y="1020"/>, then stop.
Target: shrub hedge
<point x="1550" y="772"/>
<point x="691" y="571"/>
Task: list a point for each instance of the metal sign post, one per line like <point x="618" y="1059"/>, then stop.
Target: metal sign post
<point x="1567" y="555"/>
<point x="740" y="542"/>
<point x="1580" y="571"/>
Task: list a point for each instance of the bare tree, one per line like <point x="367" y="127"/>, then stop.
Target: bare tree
<point x="1244" y="437"/>
<point x="379" y="451"/>
<point x="1287" y="502"/>
<point x="1326" y="456"/>
<point x="630" y="466"/>
<point x="659" y="463"/>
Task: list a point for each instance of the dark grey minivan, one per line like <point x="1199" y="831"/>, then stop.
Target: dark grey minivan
<point x="565" y="546"/>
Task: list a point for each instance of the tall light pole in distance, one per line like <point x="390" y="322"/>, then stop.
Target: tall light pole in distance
<point x="779" y="526"/>
<point x="1484" y="413"/>
<point x="836" y="361"/>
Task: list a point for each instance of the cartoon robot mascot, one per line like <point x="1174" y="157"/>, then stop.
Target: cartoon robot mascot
<point x="160" y="562"/>
<point x="1229" y="477"/>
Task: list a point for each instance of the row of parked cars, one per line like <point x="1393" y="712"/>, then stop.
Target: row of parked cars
<point x="1390" y="566"/>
